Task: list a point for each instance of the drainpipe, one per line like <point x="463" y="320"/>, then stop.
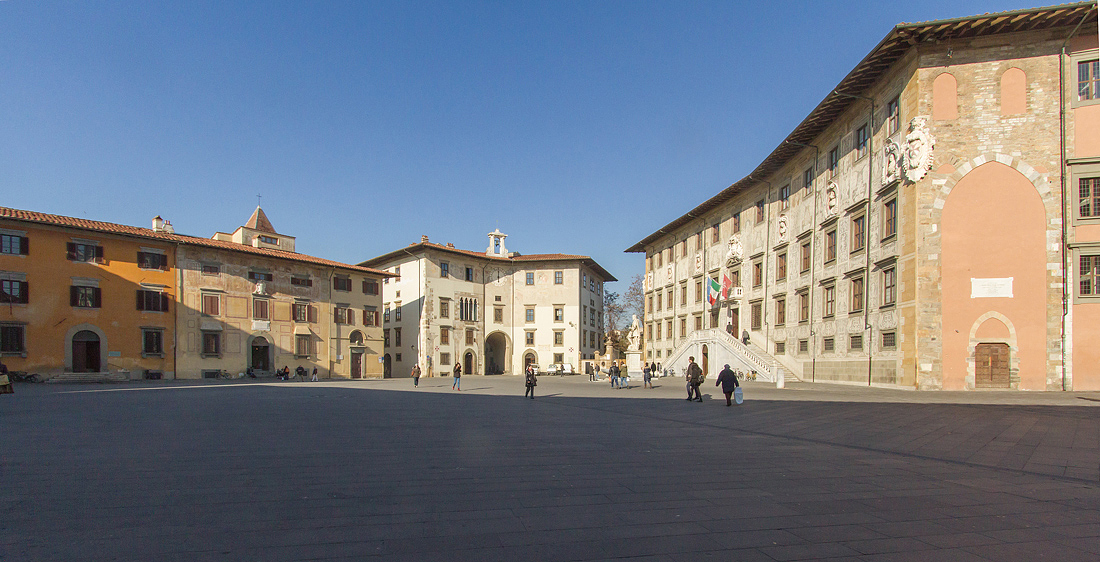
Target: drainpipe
<point x="1062" y="163"/>
<point x="817" y="156"/>
<point x="422" y="289"/>
<point x="764" y="266"/>
<point x="867" y="234"/>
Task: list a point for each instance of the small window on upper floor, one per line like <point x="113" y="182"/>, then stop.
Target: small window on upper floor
<point x="444" y="269"/>
<point x="530" y="278"/>
<point x="1088" y="80"/>
<point x="863" y="136"/>
<point x="834" y="162"/>
<point x="785" y="196"/>
<point x="893" y="116"/>
<point x="559" y="277"/>
<point x="760" y="211"/>
<point x="257" y="276"/>
<point x="470" y="274"/>
<point x="808" y="179"/>
<point x="269" y="240"/>
<point x="17" y="245"/>
<point x="85" y="252"/>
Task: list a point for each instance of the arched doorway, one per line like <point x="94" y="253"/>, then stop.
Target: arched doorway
<point x="497" y="354"/>
<point x="468" y="363"/>
<point x="86" y="356"/>
<point x="356" y="341"/>
<point x="386" y="364"/>
<point x="706" y="360"/>
<point x="260" y="358"/>
<point x="530" y="359"/>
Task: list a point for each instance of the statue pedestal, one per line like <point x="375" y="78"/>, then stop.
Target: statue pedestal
<point x="634" y="361"/>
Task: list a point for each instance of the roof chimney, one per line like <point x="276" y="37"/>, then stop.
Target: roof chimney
<point x="424" y="239"/>
<point x="168" y="227"/>
<point x="450" y="245"/>
<point x="158" y="224"/>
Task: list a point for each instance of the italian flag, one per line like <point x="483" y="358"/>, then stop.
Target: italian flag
<point x="713" y="289"/>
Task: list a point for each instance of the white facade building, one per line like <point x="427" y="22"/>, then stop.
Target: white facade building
<point x="493" y="312"/>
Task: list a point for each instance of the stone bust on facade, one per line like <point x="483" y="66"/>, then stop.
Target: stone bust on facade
<point x="892" y="162"/>
<point x="783" y="228"/>
<point x="734" y="251"/>
<point x="831" y="202"/>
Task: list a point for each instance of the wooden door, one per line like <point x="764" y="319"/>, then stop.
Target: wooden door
<point x="356" y="365"/>
<point x="991" y="365"/>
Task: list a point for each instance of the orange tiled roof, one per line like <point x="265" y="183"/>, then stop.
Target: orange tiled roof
<point x="482" y="255"/>
<point x="124" y="230"/>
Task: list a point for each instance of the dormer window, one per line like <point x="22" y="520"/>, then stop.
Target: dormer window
<point x="269" y="240"/>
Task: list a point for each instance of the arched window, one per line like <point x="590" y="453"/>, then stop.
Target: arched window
<point x="945" y="98"/>
<point x="1013" y="92"/>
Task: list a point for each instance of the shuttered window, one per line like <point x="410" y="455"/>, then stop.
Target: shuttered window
<point x="151" y="260"/>
<point x="17" y="245"/>
<point x="13" y="292"/>
<point x="84" y="252"/>
<point x="1089" y="193"/>
<point x="154" y="301"/>
<point x="85" y="297"/>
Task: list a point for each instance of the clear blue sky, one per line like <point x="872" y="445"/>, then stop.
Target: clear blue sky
<point x="574" y="127"/>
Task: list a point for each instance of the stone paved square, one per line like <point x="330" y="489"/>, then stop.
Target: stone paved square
<point x="379" y="470"/>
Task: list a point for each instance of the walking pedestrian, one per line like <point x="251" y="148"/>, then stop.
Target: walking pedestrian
<point x="530" y="381"/>
<point x="416" y="375"/>
<point x="613" y="374"/>
<point x="728" y="381"/>
<point x="647" y="377"/>
<point x="695" y="379"/>
<point x="458" y="377"/>
<point x="314" y="378"/>
<point x="594" y="374"/>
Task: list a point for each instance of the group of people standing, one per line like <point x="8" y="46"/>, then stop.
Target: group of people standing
<point x="300" y="373"/>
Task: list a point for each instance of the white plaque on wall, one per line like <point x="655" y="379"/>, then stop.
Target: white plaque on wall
<point x="993" y="287"/>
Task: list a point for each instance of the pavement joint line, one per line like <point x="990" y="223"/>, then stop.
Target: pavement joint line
<point x="845" y="445"/>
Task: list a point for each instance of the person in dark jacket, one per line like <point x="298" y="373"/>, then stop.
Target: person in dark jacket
<point x="458" y="377"/>
<point x="728" y="382"/>
<point x="530" y="381"/>
<point x="695" y="379"/>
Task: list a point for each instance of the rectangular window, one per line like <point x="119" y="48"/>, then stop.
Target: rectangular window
<point x="683" y="247"/>
<point x="444" y="308"/>
<point x="269" y="240"/>
<point x="559" y="314"/>
<point x="444" y="269"/>
<point x="828" y="344"/>
<point x="683" y="294"/>
<point x="893" y="116"/>
<point x="397" y="312"/>
<point x="341" y="284"/>
<point x="84" y="297"/>
<point x="658" y="330"/>
<point x="469" y="337"/>
<point x="211" y="304"/>
<point x="804" y="306"/>
<point x="889" y="286"/>
<point x="668" y="329"/>
<point x="301" y="281"/>
<point x="444" y="336"/>
<point x="808" y="179"/>
<point x="559" y="358"/>
<point x="12" y="339"/>
<point x="829" y="294"/>
<point x="153" y="301"/>
<point x="780" y="347"/>
<point x="859" y="224"/>
<point x="890" y="218"/>
<point x="211" y="344"/>
<point x="735" y="223"/>
<point x="781" y="266"/>
<point x="757" y="273"/>
<point x="1089" y="283"/>
<point x="498" y="315"/>
<point x="830" y="246"/>
<point x="529" y="338"/>
<point x="559" y="277"/>
<point x="834" y="162"/>
<point x="530" y="314"/>
<point x="1088" y="80"/>
<point x="152" y="342"/>
<point x="668" y="301"/>
<point x="211" y="269"/>
<point x="530" y="277"/>
<point x="1089" y="193"/>
<point x="370" y="317"/>
<point x="889" y="340"/>
<point x="855" y="342"/>
<point x="760" y="211"/>
<point x="13" y="292"/>
<point x="856" y="304"/>
<point x="470" y="274"/>
<point x="341" y="315"/>
<point x="781" y="311"/>
<point x="698" y="323"/>
<point x="559" y="338"/>
<point x="714" y="234"/>
<point x="803" y="346"/>
<point x="445" y="360"/>
<point x="698" y="291"/>
<point x="370" y="287"/>
<point x="805" y="256"/>
<point x="683" y="327"/>
<point x="151" y="260"/>
<point x="257" y="276"/>
<point x="785" y="196"/>
<point x="386" y="338"/>
<point x="300" y="311"/>
<point x="397" y="337"/>
<point x="17" y="245"/>
<point x="757" y="316"/>
<point x="261" y="309"/>
<point x="302" y="345"/>
<point x="658" y="302"/>
<point x="862" y="144"/>
<point x="85" y="252"/>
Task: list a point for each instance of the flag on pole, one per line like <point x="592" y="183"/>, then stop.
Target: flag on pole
<point x="726" y="284"/>
<point x="712" y="290"/>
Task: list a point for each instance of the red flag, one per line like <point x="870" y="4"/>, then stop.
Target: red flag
<point x="726" y="284"/>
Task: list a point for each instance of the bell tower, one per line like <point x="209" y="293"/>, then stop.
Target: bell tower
<point x="496" y="244"/>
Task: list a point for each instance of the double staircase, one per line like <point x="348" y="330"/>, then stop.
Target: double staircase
<point x="722" y="348"/>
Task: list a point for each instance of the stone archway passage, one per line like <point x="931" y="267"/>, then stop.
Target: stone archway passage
<point x="86" y="352"/>
<point x="468" y="363"/>
<point x="497" y="354"/>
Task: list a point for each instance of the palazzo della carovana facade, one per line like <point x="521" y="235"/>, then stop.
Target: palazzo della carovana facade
<point x="934" y="223"/>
